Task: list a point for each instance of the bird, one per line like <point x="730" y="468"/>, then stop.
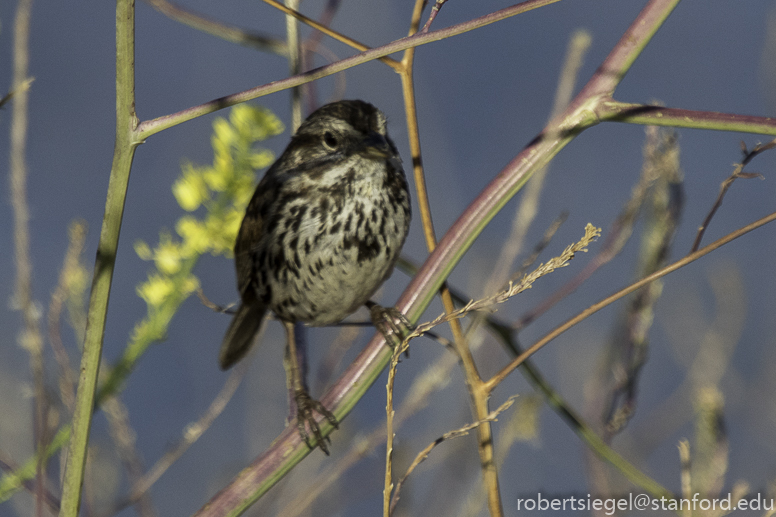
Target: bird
<point x="321" y="234"/>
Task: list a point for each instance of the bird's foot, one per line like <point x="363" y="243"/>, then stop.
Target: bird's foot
<point x="391" y="323"/>
<point x="306" y="407"/>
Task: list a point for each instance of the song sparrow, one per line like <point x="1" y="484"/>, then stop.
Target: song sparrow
<point x="320" y="235"/>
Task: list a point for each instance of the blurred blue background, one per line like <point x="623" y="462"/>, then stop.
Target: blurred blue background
<point x="482" y="96"/>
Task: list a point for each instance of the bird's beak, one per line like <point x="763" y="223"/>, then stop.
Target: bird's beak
<point x="375" y="146"/>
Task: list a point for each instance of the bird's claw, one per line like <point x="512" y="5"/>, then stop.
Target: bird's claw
<point x="391" y="323"/>
<point x="306" y="407"/>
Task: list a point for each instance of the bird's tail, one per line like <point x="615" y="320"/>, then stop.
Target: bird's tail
<point x="241" y="334"/>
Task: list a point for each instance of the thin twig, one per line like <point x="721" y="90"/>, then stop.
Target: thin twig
<point x="294" y="64"/>
<point x="31" y="338"/>
<point x="67" y="377"/>
<point x="124" y="437"/>
<point x="433" y="14"/>
<point x="496" y="379"/>
<point x="220" y="29"/>
<point x="313" y="45"/>
<point x="244" y="37"/>
<point x="389" y="435"/>
<point x="51" y="500"/>
<point x="738" y="172"/>
<point x="540" y="246"/>
<point x="456" y="433"/>
<point x="325" y="30"/>
<point x="514" y="288"/>
<point x="25" y="85"/>
<point x="616" y="237"/>
<point x="229" y="309"/>
<point x="191" y="434"/>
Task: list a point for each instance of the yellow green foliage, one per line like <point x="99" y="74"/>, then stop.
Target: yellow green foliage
<point x="214" y="198"/>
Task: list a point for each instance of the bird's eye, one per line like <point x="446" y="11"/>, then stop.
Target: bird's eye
<point x="330" y="140"/>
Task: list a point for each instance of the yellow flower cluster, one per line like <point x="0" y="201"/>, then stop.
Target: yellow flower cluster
<point x="222" y="189"/>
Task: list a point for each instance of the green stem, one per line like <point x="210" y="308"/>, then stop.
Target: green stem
<point x="13" y="481"/>
<point x="615" y="111"/>
<point x="124" y="150"/>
